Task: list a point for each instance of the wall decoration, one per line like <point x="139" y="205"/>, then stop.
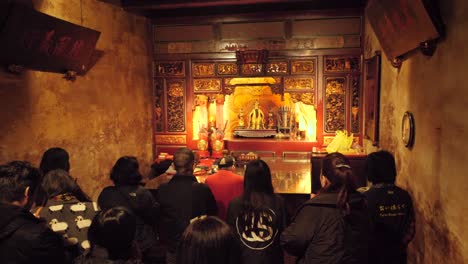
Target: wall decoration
<point x="303" y="67"/>
<point x="355" y="103"/>
<point x="371" y="96"/>
<point x="170" y="69"/>
<point x="252" y="69"/>
<point x="335" y="104"/>
<point x="175" y="105"/>
<point x="203" y="69"/>
<point x="170" y="139"/>
<point x="402" y="26"/>
<point x="228" y="68"/>
<point x="159" y="104"/>
<point x="41" y="42"/>
<point x="298" y="84"/>
<point x="206" y="85"/>
<point x="279" y="67"/>
<point x="407" y="129"/>
<point x="339" y="64"/>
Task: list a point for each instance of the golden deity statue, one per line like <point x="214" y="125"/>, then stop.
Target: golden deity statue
<point x="240" y="118"/>
<point x="256" y="117"/>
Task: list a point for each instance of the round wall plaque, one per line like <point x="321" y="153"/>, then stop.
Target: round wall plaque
<point x="407" y="129"/>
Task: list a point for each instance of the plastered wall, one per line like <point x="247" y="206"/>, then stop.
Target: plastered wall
<point x="97" y="118"/>
<point x="435" y="90"/>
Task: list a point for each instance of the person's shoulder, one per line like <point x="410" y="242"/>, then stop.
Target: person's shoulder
<point x="236" y="200"/>
<point x="37" y="232"/>
<point x="108" y="190"/>
<point x="278" y="198"/>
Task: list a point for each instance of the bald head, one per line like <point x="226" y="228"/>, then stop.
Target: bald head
<point x="183" y="161"/>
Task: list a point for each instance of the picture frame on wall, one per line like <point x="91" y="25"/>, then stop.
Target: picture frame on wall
<point x="371" y="98"/>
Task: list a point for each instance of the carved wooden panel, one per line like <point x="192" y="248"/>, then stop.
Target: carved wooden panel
<point x="339" y="64"/>
<point x="159" y="105"/>
<point x="170" y="69"/>
<point x="306" y="98"/>
<point x="278" y="67"/>
<point x="203" y="69"/>
<point x="228" y="68"/>
<point x="335" y="104"/>
<point x="303" y="67"/>
<point x="175" y="105"/>
<point x="299" y="84"/>
<point x="229" y="89"/>
<point x="355" y="98"/>
<point x="170" y="139"/>
<point x="206" y="85"/>
<point x="252" y="69"/>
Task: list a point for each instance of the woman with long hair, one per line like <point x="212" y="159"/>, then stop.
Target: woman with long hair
<point x="128" y="192"/>
<point x="258" y="216"/>
<point x="68" y="210"/>
<point x="208" y="240"/>
<point x="332" y="227"/>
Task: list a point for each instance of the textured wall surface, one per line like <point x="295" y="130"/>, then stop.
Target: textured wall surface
<point x="435" y="90"/>
<point x="97" y="118"/>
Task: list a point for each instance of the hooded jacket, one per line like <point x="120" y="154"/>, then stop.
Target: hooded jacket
<point x="27" y="239"/>
<point x="322" y="233"/>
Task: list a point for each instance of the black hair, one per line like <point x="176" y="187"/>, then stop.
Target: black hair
<point x="125" y="171"/>
<point x="58" y="182"/>
<point x="380" y="167"/>
<point x="208" y="240"/>
<point x="184" y="160"/>
<point x="15" y="177"/>
<point x="258" y="195"/>
<point x="337" y="169"/>
<point x="55" y="158"/>
<point x="114" y="229"/>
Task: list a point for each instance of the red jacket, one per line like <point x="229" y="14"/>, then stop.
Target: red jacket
<point x="225" y="186"/>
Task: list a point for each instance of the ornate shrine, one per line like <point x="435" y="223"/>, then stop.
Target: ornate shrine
<point x="210" y="105"/>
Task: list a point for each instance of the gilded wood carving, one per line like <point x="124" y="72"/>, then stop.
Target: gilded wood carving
<point x="355" y="104"/>
<point x="303" y="67"/>
<point x="229" y="89"/>
<point x="306" y="98"/>
<point x="207" y="85"/>
<point x="335" y="104"/>
<point x="159" y="105"/>
<point x="340" y="64"/>
<point x="298" y="84"/>
<point x="228" y="68"/>
<point x="170" y="139"/>
<point x="203" y="69"/>
<point x="279" y="67"/>
<point x="252" y="69"/>
<point x="175" y="105"/>
<point x="174" y="68"/>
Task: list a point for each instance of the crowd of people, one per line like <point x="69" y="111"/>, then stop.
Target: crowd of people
<point x="45" y="217"/>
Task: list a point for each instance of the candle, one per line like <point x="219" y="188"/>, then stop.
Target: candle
<point x="285" y="117"/>
<point x="212" y="121"/>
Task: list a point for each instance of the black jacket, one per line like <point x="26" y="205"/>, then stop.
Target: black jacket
<point x="142" y="203"/>
<point x="259" y="244"/>
<point x="322" y="233"/>
<point x="182" y="199"/>
<point x="27" y="239"/>
<point x="392" y="214"/>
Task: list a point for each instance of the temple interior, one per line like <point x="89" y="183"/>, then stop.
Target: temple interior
<point x="277" y="78"/>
